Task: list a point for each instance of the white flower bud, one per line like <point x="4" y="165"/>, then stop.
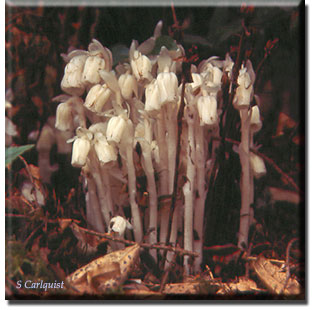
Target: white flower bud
<point x="104" y="151"/>
<point x="128" y="86"/>
<point x="97" y="97"/>
<point x="257" y="165"/>
<point x="197" y="81"/>
<point x="118" y="225"/>
<point x="207" y="109"/>
<point x="141" y="66"/>
<point x="91" y="69"/>
<point x="168" y="86"/>
<point x="244" y="91"/>
<point x="80" y="150"/>
<point x="212" y="75"/>
<point x="255" y="122"/>
<point x="152" y="97"/>
<point x="228" y="65"/>
<point x="72" y="80"/>
<point x="115" y="128"/>
<point x="64" y="117"/>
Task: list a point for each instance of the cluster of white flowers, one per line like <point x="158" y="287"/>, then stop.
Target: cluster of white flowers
<point x="111" y="110"/>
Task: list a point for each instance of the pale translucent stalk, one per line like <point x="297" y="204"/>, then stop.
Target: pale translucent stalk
<point x="163" y="165"/>
<point x="245" y="180"/>
<point x="151" y="188"/>
<point x="107" y="183"/>
<point x="173" y="236"/>
<point x="132" y="188"/>
<point x="93" y="210"/>
<point x="163" y="173"/>
<point x="170" y="110"/>
<point x="171" y="125"/>
<point x="153" y="199"/>
<point x="201" y="197"/>
<point x="188" y="190"/>
<point x="101" y="192"/>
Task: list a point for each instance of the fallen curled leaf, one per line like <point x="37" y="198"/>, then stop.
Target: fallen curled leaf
<point x="274" y="278"/>
<point x="105" y="273"/>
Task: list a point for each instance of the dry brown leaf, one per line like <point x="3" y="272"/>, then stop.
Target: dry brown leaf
<point x="105" y="273"/>
<point x="274" y="278"/>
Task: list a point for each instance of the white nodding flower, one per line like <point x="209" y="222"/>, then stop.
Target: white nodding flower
<point x="64" y="117"/>
<point x="115" y="128"/>
<point x="81" y="146"/>
<point x="244" y="91"/>
<point x="207" y="109"/>
<point x="168" y="86"/>
<point x="141" y="66"/>
<point x="128" y="85"/>
<point x="164" y="61"/>
<point x="72" y="82"/>
<point x="197" y="81"/>
<point x="80" y="150"/>
<point x="212" y="75"/>
<point x="31" y="193"/>
<point x="96" y="48"/>
<point x="118" y="225"/>
<point x="257" y="165"/>
<point x="97" y="98"/>
<point x="228" y="65"/>
<point x="93" y="64"/>
<point x="255" y="121"/>
<point x="104" y="151"/>
<point x="152" y="96"/>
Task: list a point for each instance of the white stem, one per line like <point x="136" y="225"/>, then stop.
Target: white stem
<point x="151" y="186"/>
<point x="245" y="180"/>
<point x="106" y="182"/>
<point x="163" y="173"/>
<point x="93" y="212"/>
<point x="201" y="190"/>
<point x="171" y="124"/>
<point x="188" y="190"/>
<point x="170" y="112"/>
<point x="163" y="165"/>
<point x="132" y="181"/>
<point x="173" y="236"/>
<point x="95" y="171"/>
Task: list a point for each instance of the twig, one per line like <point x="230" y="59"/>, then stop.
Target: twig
<point x="287" y="263"/>
<point x="166" y="273"/>
<point x="267" y="159"/>
<point x="180" y="115"/>
<point x="108" y="236"/>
